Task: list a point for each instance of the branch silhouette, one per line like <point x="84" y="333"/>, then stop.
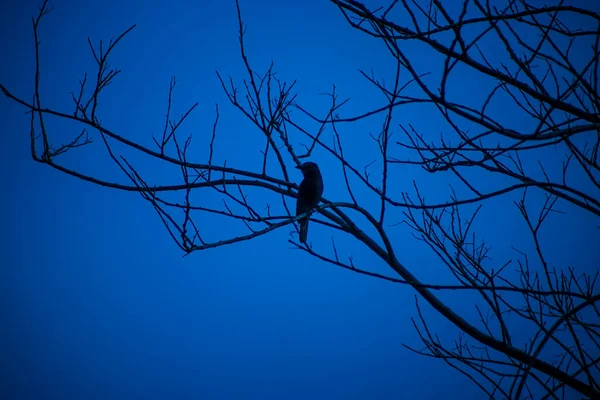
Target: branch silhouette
<point x="483" y="154"/>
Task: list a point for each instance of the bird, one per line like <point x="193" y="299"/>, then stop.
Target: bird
<point x="309" y="194"/>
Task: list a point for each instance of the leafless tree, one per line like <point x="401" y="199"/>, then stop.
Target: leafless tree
<point x="539" y="66"/>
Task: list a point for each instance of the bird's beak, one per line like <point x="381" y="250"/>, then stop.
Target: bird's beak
<point x="298" y="167"/>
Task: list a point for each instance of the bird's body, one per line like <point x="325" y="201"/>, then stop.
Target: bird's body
<point x="309" y="194"/>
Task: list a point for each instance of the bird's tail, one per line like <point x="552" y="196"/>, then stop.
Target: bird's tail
<point x="303" y="230"/>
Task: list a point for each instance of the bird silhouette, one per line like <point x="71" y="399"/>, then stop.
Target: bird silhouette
<point x="309" y="194"/>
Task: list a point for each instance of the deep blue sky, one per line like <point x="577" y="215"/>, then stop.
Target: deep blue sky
<point x="96" y="300"/>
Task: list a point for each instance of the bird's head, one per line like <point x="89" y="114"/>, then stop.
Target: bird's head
<point x="309" y="169"/>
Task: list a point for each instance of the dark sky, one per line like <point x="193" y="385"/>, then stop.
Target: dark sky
<point x="97" y="301"/>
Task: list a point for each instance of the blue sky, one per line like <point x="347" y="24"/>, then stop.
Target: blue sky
<point x="97" y="301"/>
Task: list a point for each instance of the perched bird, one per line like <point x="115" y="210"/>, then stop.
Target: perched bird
<point x="309" y="194"/>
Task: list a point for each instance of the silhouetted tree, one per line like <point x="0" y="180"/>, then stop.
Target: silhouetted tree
<point x="488" y="153"/>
